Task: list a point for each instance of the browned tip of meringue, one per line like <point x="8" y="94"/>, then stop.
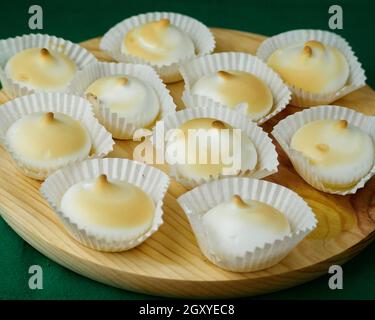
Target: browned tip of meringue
<point x="48" y="117"/>
<point x="90" y="96"/>
<point x="122" y="81"/>
<point x="224" y="74"/>
<point x="341" y="124"/>
<point x="45" y="53"/>
<point x="315" y="44"/>
<point x="237" y="200"/>
<point x="101" y="181"/>
<point x="307" y="51"/>
<point x="322" y="147"/>
<point x="217" y="124"/>
<point x="163" y="22"/>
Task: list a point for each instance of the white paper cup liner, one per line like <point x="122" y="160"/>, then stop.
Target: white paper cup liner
<point x="201" y="36"/>
<point x="9" y="47"/>
<point x="301" y="98"/>
<point x="193" y="70"/>
<point x="285" y="129"/>
<point x="72" y="105"/>
<point x="151" y="180"/>
<point x="301" y="218"/>
<point x="267" y="156"/>
<point x="118" y="125"/>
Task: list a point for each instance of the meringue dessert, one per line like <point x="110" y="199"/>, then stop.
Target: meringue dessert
<point x="238" y="226"/>
<point x="109" y="208"/>
<point x="127" y="96"/>
<point x="339" y="153"/>
<point x="41" y="69"/>
<point x="232" y="88"/>
<point x="42" y="141"/>
<point x="222" y="145"/>
<point x="158" y="42"/>
<point x="311" y="66"/>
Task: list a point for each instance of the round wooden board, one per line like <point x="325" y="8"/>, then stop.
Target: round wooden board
<point x="170" y="262"/>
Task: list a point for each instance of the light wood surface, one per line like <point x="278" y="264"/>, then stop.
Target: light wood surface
<point x="170" y="263"/>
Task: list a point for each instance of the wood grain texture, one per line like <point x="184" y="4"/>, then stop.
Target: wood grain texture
<point x="170" y="263"/>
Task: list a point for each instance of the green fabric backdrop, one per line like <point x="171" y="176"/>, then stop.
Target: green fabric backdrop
<point x="81" y="20"/>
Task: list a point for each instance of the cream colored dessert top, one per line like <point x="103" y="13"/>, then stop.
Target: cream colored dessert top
<point x="234" y="87"/>
<point x="237" y="226"/>
<point x="128" y="96"/>
<point x="41" y="69"/>
<point x="223" y="146"/>
<point x="311" y="66"/>
<point x="332" y="143"/>
<point x="159" y="42"/>
<point x="109" y="204"/>
<point x="48" y="136"/>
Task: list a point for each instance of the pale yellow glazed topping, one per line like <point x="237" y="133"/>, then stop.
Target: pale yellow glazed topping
<point x="232" y="88"/>
<point x="261" y="213"/>
<point x="48" y="136"/>
<point x="240" y="225"/>
<point x="222" y="147"/>
<point x="109" y="204"/>
<point x="209" y="169"/>
<point x="311" y="66"/>
<point x="158" y="42"/>
<point x="332" y="143"/>
<point x="41" y="69"/>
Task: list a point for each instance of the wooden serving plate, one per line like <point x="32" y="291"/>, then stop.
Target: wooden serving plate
<point x="170" y="262"/>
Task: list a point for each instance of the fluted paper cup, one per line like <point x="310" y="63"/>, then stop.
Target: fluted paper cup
<point x="302" y="98"/>
<point x="267" y="162"/>
<point x="71" y="105"/>
<point x="193" y="70"/>
<point x="285" y="129"/>
<point x="119" y="126"/>
<point x="301" y="218"/>
<point x="201" y="36"/>
<point x="9" y="47"/>
<point x="151" y="180"/>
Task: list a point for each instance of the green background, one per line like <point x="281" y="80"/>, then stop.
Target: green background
<point x="81" y="20"/>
